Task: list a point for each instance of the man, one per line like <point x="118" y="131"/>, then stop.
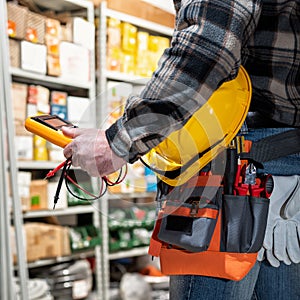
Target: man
<point x="210" y="42"/>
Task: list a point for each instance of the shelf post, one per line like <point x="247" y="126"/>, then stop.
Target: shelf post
<point x="8" y="184"/>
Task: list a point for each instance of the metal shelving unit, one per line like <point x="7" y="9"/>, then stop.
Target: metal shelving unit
<point x="103" y="76"/>
<point x="18" y="74"/>
<point x="10" y="166"/>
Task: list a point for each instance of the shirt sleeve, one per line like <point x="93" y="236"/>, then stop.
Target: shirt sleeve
<point x="205" y="51"/>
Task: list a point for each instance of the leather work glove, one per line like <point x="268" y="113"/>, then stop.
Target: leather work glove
<point x="91" y="152"/>
<point x="281" y="242"/>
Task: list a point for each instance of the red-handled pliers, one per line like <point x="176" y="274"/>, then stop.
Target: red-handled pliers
<point x="240" y="189"/>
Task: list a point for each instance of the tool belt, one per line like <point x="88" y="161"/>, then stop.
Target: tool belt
<point x="214" y="225"/>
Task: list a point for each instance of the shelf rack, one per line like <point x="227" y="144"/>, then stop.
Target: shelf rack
<point x="85" y="89"/>
<point x="102" y="77"/>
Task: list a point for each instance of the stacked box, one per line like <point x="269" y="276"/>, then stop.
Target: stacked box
<point x="24" y="180"/>
<point x="132" y="51"/>
<point x="46" y="241"/>
<point x="83" y="33"/>
<point x="80" y="111"/>
<point x="128" y="43"/>
<point x="52" y="40"/>
<point x="58" y="104"/>
<point x="33" y="57"/>
<point x="74" y="62"/>
<point x="142" y="55"/>
<point x="113" y="54"/>
<point x="23" y="140"/>
<point x="35" y="28"/>
<point x="17" y="19"/>
<point x="14" y="53"/>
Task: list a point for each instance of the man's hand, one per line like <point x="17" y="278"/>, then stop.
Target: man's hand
<point x="91" y="152"/>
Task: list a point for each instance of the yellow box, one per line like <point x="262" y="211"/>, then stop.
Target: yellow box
<point x="128" y="63"/>
<point x="113" y="33"/>
<point x="113" y="59"/>
<point x="142" y="41"/>
<point x="143" y="67"/>
<point x="129" y="35"/>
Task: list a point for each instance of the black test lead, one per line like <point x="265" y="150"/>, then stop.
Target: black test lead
<point x="61" y="179"/>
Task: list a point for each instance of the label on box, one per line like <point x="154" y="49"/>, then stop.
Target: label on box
<point x="74" y="62"/>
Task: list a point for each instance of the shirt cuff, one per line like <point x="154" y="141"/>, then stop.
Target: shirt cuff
<point x="120" y="142"/>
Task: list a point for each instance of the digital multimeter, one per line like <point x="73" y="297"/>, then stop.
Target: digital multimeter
<point x="49" y="128"/>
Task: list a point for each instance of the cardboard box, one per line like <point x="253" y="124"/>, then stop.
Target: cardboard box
<point x="52" y="44"/>
<point x="39" y="194"/>
<point x="53" y="65"/>
<point x="35" y="28"/>
<point x="79" y="110"/>
<point x="17" y="18"/>
<point x="65" y="241"/>
<point x="51" y="241"/>
<point x="20" y="129"/>
<point x="33" y="245"/>
<point x="39" y="95"/>
<point x="33" y="57"/>
<point x="58" y="97"/>
<point x="46" y="241"/>
<point x="53" y="28"/>
<point x="19" y="98"/>
<point x="14" y="53"/>
<point x="24" y="180"/>
<point x="23" y="147"/>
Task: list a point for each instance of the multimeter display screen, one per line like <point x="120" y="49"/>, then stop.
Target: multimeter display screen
<point x="52" y="121"/>
<point x="57" y="123"/>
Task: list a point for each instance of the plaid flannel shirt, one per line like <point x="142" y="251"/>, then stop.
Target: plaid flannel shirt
<point x="211" y="40"/>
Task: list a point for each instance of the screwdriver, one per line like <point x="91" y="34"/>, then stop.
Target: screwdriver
<point x="230" y="169"/>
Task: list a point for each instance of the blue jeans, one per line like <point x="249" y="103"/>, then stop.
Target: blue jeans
<point x="263" y="282"/>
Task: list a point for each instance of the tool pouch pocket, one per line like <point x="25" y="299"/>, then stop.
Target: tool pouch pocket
<point x="244" y="220"/>
<point x="190" y="225"/>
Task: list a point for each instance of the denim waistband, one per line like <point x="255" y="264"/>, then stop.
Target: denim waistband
<point x="288" y="165"/>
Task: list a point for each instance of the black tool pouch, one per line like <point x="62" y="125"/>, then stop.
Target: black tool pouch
<point x="189" y="214"/>
<point x="244" y="220"/>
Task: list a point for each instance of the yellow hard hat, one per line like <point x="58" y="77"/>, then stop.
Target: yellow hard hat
<point x="207" y="133"/>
